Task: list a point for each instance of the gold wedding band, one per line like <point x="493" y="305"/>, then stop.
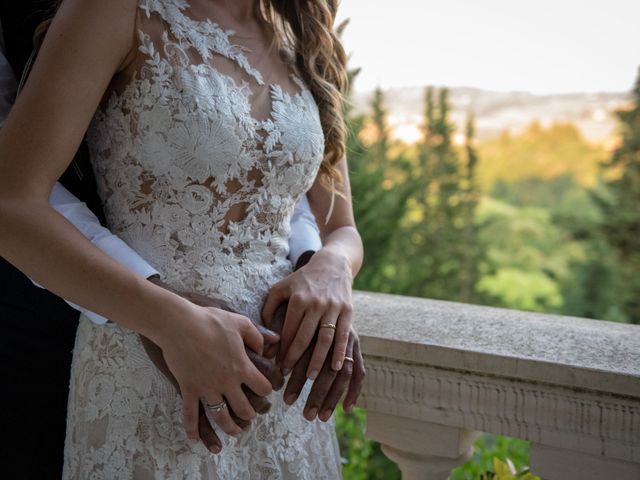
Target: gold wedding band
<point x="216" y="407"/>
<point x="348" y="359"/>
<point x="328" y="325"/>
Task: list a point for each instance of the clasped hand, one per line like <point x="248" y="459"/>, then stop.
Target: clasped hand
<point x="319" y="293"/>
<point x="319" y="303"/>
<point x="320" y="289"/>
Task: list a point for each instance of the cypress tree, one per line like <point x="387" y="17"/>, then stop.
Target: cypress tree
<point x="378" y="206"/>
<point x="470" y="251"/>
<point x="622" y="207"/>
<point x="434" y="239"/>
<point x="380" y="147"/>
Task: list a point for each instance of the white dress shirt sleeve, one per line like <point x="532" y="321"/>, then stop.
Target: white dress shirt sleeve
<point x="72" y="208"/>
<point x="77" y="212"/>
<point x="305" y="234"/>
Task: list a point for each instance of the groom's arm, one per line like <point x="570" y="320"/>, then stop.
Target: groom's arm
<point x="79" y="214"/>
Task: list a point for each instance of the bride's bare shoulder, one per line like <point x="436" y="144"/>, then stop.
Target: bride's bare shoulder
<point x="81" y="24"/>
<point x="84" y="47"/>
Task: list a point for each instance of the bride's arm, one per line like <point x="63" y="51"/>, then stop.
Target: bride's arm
<point x="88" y="42"/>
<point x="320" y="292"/>
<point x="69" y="206"/>
<point x="47" y="122"/>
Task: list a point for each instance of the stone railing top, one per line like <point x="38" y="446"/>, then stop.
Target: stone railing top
<point x="568" y="351"/>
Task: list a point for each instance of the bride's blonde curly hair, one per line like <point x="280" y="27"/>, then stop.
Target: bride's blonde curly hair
<point x="307" y="28"/>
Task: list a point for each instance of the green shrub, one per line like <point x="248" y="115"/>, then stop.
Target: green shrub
<point x="363" y="459"/>
<point x="489" y="447"/>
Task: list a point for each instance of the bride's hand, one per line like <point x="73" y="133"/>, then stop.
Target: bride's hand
<point x="318" y="294"/>
<point x="259" y="404"/>
<point x="205" y="429"/>
<point x="204" y="348"/>
<point x="207" y="433"/>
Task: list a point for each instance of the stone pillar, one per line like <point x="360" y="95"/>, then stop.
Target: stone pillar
<point x="422" y="450"/>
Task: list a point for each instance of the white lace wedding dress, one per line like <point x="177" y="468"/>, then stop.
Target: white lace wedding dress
<point x="199" y="163"/>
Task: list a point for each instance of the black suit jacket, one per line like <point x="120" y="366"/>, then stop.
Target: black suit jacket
<point x="37" y="328"/>
<point x="19" y="20"/>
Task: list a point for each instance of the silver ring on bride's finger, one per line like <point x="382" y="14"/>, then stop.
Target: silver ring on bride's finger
<point x="216" y="407"/>
<point x="348" y="359"/>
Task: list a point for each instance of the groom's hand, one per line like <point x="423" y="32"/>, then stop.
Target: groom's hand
<point x="330" y="385"/>
<point x="207" y="433"/>
<point x="260" y="404"/>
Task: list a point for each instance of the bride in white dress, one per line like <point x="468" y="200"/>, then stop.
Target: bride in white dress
<point x="202" y="144"/>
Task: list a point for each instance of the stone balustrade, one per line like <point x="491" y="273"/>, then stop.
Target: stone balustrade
<point x="438" y="373"/>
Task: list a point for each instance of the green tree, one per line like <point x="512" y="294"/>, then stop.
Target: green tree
<point x="380" y="185"/>
<point x="438" y="224"/>
<point x="527" y="258"/>
<point x="470" y="202"/>
<point x="621" y="207"/>
<point x="539" y="152"/>
<point x="379" y="150"/>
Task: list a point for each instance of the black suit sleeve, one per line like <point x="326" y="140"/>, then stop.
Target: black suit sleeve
<point x="37" y="328"/>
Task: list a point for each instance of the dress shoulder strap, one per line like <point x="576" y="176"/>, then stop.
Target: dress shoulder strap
<point x="205" y="36"/>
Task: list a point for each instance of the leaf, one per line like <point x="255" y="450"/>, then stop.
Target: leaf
<point x="503" y="472"/>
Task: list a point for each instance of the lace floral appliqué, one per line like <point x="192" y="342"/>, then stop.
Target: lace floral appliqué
<point x="205" y="193"/>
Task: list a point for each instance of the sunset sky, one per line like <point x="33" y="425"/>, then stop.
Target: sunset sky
<point x="542" y="46"/>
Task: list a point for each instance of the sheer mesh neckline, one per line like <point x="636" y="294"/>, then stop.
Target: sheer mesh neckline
<point x="208" y="26"/>
<point x="208" y="38"/>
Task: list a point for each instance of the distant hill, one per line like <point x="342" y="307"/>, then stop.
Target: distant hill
<point x="499" y="111"/>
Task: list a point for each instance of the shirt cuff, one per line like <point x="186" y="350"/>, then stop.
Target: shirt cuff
<point x="304" y="237"/>
<point x="117" y="249"/>
<point x="94" y="317"/>
<point x="84" y="220"/>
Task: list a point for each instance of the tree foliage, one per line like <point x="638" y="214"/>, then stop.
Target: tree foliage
<point x="621" y="207"/>
<point x="540" y="152"/>
<point x="436" y="251"/>
<point x="525" y="221"/>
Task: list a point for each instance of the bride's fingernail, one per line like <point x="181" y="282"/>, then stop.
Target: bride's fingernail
<point x="312" y="413"/>
<point x="215" y="449"/>
<point x="285" y="371"/>
<point x="337" y="366"/>
<point x="313" y="374"/>
<point x="290" y="399"/>
<point x="326" y="415"/>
